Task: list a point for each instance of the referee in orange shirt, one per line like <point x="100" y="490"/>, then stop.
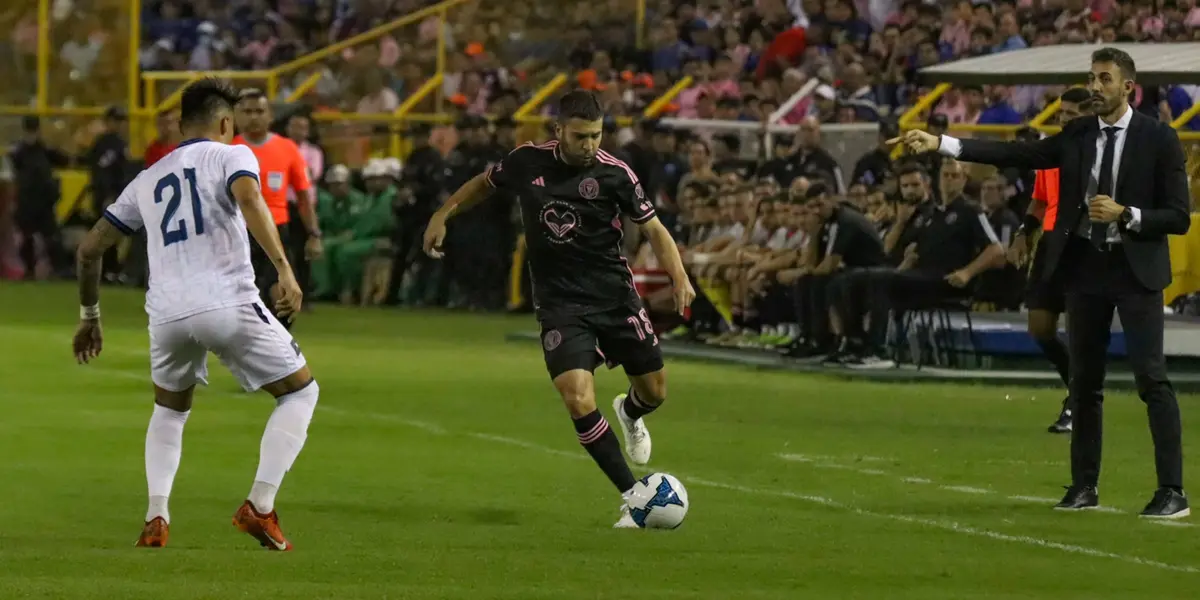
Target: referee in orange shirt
<point x="1046" y="300"/>
<point x="281" y="167"/>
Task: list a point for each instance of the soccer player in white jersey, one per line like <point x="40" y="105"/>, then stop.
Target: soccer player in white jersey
<point x="196" y="205"/>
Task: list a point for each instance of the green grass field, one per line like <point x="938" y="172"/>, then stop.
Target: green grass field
<point x="440" y="465"/>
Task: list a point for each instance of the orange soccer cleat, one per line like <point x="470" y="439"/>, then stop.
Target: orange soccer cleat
<point x="264" y="528"/>
<point x="154" y="534"/>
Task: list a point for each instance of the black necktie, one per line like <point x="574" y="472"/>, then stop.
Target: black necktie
<point x="1105" y="187"/>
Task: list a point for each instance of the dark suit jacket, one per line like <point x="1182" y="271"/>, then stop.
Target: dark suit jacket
<point x="1151" y="176"/>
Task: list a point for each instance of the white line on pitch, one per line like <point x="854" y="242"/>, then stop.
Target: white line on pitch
<point x="962" y="489"/>
<point x="821" y="500"/>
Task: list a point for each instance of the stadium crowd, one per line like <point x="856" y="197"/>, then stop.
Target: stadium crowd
<point x="790" y="251"/>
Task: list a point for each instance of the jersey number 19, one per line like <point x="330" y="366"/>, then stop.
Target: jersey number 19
<point x="171" y="182"/>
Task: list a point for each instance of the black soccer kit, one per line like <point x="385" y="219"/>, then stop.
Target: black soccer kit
<point x="582" y="288"/>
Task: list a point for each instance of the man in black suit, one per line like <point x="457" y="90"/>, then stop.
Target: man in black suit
<point x="1123" y="191"/>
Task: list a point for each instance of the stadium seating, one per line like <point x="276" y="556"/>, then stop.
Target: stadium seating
<point x="847" y="65"/>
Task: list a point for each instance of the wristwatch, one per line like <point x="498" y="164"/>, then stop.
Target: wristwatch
<point x="1126" y="217"/>
<point x="315" y="234"/>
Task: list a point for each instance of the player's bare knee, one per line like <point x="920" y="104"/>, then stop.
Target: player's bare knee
<point x="290" y="384"/>
<point x="180" y="401"/>
<point x="651" y="388"/>
<point x="578" y="393"/>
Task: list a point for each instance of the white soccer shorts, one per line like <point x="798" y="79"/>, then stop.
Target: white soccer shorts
<point x="247" y="339"/>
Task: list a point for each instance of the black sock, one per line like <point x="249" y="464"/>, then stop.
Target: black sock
<point x="1056" y="352"/>
<point x="634" y="407"/>
<point x="599" y="440"/>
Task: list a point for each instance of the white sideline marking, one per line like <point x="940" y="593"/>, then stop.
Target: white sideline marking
<point x="952" y="526"/>
<point x="422" y="425"/>
<point x="965" y="489"/>
<point x="821" y="500"/>
<point x="1034" y="499"/>
<point x="962" y="489"/>
<point x="830" y="458"/>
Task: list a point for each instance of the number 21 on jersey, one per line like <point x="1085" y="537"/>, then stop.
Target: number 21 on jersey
<point x="170" y="189"/>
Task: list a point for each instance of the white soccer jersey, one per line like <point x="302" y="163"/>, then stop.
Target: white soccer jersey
<point x="196" y="239"/>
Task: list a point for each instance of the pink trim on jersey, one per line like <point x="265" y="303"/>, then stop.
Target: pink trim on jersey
<point x="487" y="175"/>
<point x="609" y="159"/>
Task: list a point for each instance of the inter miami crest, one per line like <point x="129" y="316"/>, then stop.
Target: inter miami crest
<point x="589" y="189"/>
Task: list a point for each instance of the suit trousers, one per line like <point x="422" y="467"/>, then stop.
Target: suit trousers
<point x="1099" y="281"/>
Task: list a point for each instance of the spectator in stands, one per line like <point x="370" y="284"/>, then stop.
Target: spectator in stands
<point x="999" y="111"/>
<point x="873" y="167"/>
<point x="813" y="160"/>
<point x="954" y="243"/>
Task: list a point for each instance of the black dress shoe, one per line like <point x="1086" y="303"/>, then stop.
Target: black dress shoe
<point x="1167" y="504"/>
<point x="1079" y="497"/>
<point x="1063" y="424"/>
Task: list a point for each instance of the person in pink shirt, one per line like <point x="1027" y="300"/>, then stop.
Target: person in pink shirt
<point x="258" y="51"/>
<point x="724" y="78"/>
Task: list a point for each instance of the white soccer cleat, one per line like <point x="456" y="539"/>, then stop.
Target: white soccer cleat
<point x="637" y="437"/>
<point x="626" y="520"/>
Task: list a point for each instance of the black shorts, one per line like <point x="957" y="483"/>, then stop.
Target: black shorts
<point x="1040" y="293"/>
<point x="265" y="274"/>
<point x="620" y="336"/>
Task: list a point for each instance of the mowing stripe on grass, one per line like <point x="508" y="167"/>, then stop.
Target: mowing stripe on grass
<point x="820" y="500"/>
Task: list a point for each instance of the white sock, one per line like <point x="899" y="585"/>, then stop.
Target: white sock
<point x="164" y="447"/>
<point x="281" y="443"/>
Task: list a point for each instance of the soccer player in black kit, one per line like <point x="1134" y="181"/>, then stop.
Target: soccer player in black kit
<point x="572" y="197"/>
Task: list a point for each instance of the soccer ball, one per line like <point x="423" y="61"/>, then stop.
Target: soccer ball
<point x="658" y="501"/>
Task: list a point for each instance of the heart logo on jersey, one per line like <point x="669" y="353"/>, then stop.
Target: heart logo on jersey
<point x="560" y="224"/>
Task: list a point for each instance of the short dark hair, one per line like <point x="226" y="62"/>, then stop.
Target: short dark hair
<point x="580" y="104"/>
<point x="251" y="94"/>
<point x="203" y="101"/>
<point x="1076" y="95"/>
<point x="1118" y="57"/>
<point x="908" y="168"/>
<point x="818" y="188"/>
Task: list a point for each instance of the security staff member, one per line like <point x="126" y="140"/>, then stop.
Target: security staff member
<point x="954" y="244"/>
<point x="108" y="163"/>
<point x="37" y="193"/>
<point x="847" y="241"/>
<point x="424" y="175"/>
<point x="461" y="274"/>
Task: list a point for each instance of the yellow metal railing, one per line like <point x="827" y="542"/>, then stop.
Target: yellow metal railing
<point x="271" y="77"/>
<point x="1187" y="115"/>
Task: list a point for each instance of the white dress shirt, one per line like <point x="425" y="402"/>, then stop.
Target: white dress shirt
<point x="952" y="146"/>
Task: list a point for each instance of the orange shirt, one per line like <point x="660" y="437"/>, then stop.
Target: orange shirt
<point x="281" y="167"/>
<point x="156" y="150"/>
<point x="1045" y="190"/>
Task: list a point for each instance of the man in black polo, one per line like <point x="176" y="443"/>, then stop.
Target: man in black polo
<point x="846" y="241"/>
<point x="849" y="292"/>
<point x="954" y="243"/>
